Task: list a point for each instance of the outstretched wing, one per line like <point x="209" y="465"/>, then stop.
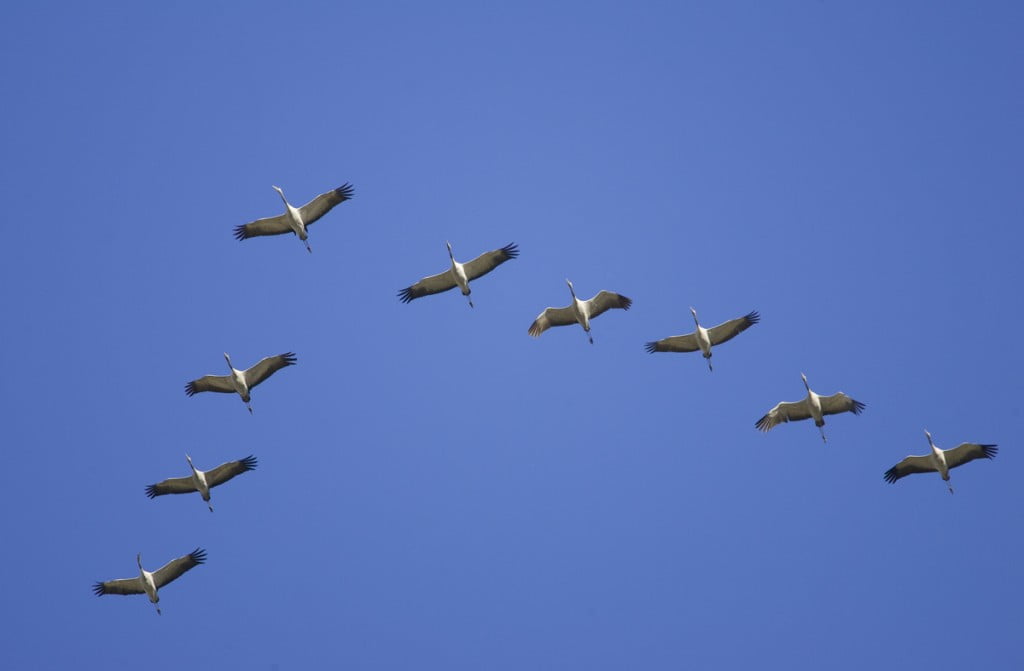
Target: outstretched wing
<point x="965" y="452"/>
<point x="909" y="466"/>
<point x="267" y="367"/>
<point x="269" y="226"/>
<point x="840" y="402"/>
<point x="122" y="586"/>
<point x="488" y="261"/>
<point x="784" y="412"/>
<point x="171" y="486"/>
<point x="732" y="328"/>
<point x="679" y="343"/>
<point x="173" y="569"/>
<point x="218" y="383"/>
<point x="434" y="284"/>
<point x="226" y="471"/>
<point x="323" y="203"/>
<point x="552" y="317"/>
<point x="606" y="300"/>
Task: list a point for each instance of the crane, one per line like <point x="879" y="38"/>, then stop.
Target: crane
<point x="149" y="583"/>
<point x="459" y="274"/>
<point x="295" y="219"/>
<point x="813" y="406"/>
<point x="202" y="481"/>
<point x="940" y="460"/>
<point x="241" y="381"/>
<point x="704" y="339"/>
<point x="578" y="312"/>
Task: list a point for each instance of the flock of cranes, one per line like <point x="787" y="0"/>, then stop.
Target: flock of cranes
<point x="582" y="312"/>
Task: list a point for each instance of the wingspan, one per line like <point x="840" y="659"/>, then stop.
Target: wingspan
<point x="324" y="203"/>
<point x="121" y="586"/>
<point x="488" y="261"/>
<point x="552" y="317"/>
<point x="228" y="470"/>
<point x="909" y="466"/>
<point x="174" y="569"/>
<point x="965" y="452"/>
<point x="171" y="486"/>
<point x="606" y="300"/>
<point x="679" y="343"/>
<point x="218" y="383"/>
<point x="784" y="412"/>
<point x="269" y="226"/>
<point x="434" y="284"/>
<point x="732" y="328"/>
<point x="267" y="367"/>
<point x="840" y="402"/>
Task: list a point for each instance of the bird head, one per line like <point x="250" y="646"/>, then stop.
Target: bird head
<point x="227" y="358"/>
<point x="449" y="245"/>
<point x="929" y="436"/>
<point x="694" y="313"/>
<point x="277" y="188"/>
<point x="571" y="290"/>
<point x="804" y="378"/>
<point x="138" y="559"/>
<point x="189" y="459"/>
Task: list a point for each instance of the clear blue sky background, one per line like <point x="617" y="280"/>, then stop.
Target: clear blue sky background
<point x="437" y="490"/>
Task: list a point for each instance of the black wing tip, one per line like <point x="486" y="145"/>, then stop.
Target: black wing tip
<point x="288" y="358"/>
<point x="151" y="491"/>
<point x="763" y="424"/>
<point x="406" y="295"/>
<point x="190" y="389"/>
<point x="891" y="476"/>
<point x="651" y="347"/>
<point x="345" y="191"/>
<point x="198" y="555"/>
<point x="990" y="450"/>
<point x="511" y="250"/>
<point x="240" y="232"/>
<point x="98" y="589"/>
<point x="753" y="317"/>
<point x="858" y="407"/>
<point x="249" y="463"/>
<point x="626" y="303"/>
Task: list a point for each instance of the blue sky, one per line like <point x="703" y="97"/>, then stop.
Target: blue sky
<point x="436" y="489"/>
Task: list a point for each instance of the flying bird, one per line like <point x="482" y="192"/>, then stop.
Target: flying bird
<point x="703" y="339"/>
<point x="460" y="274"/>
<point x="813" y="406"/>
<point x="202" y="481"/>
<point x="148" y="583"/>
<point x="241" y="382"/>
<point x="579" y="312"/>
<point x="940" y="460"/>
<point x="295" y="220"/>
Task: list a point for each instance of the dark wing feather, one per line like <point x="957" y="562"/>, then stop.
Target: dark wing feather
<point x="219" y="383"/>
<point x="434" y="284"/>
<point x="323" y="203"/>
<point x="171" y="486"/>
<point x="174" y="569"/>
<point x="606" y="300"/>
<point x="226" y="471"/>
<point x="679" y="343"/>
<point x="268" y="226"/>
<point x="909" y="466"/>
<point x="488" y="261"/>
<point x="732" y="328"/>
<point x="965" y="452"/>
<point x="121" y="586"/>
<point x="267" y="367"/>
